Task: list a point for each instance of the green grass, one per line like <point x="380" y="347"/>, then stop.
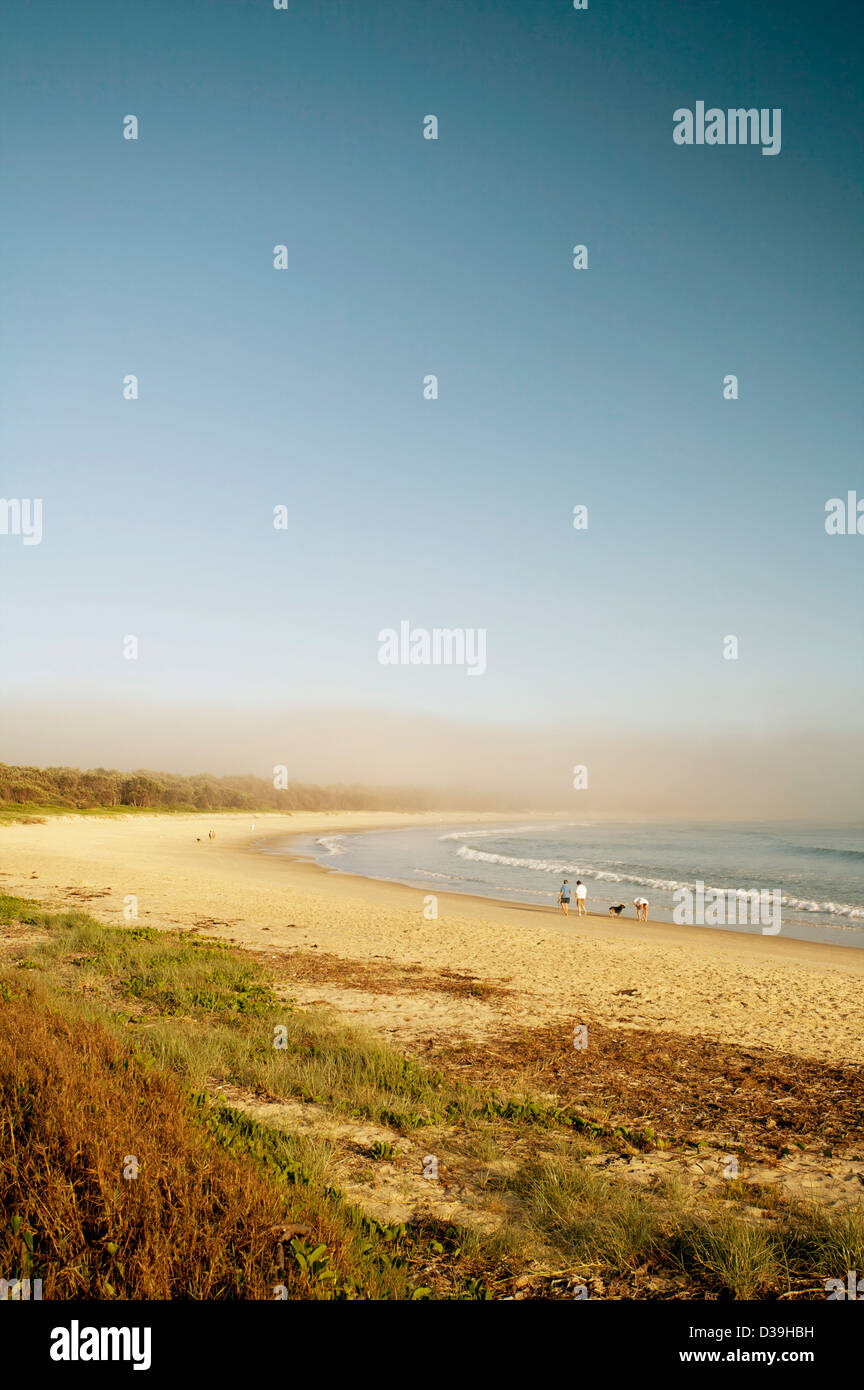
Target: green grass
<point x="170" y="979"/>
<point x="598" y="1221"/>
<point x="177" y="975"/>
<point x="588" y="1217"/>
<point x="174" y="983"/>
<point x="204" y="1212"/>
<point x="207" y="1015"/>
<point x="826" y="1242"/>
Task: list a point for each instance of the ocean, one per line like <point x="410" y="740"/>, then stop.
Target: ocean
<point x="818" y="870"/>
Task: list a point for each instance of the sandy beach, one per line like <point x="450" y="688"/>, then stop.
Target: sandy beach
<point x="531" y="967"/>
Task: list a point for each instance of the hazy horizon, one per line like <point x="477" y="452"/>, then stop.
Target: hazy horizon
<point x="260" y="388"/>
<point x="810" y="777"/>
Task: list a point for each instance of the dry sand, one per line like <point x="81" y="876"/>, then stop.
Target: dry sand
<point x="796" y="996"/>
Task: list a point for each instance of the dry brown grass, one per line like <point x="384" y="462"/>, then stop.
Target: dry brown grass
<point x="377" y="976"/>
<point x="684" y="1088"/>
<point x="103" y="1030"/>
<point x="197" y="1222"/>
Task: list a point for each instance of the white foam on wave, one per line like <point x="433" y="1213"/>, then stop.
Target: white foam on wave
<point x="832" y="909"/>
<point x="670" y="885"/>
<point x="562" y="866"/>
<point x="485" y="834"/>
<point x="332" y="843"/>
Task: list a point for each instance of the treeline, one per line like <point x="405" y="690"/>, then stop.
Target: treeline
<point x="77" y="790"/>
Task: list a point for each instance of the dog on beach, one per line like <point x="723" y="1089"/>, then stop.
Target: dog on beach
<point x="618" y="909"/>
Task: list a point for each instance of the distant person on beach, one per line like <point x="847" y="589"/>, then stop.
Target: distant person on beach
<point x="581" y="895"/>
<point x="212" y="835"/>
<point x="641" y="906"/>
<point x="564" y="897"/>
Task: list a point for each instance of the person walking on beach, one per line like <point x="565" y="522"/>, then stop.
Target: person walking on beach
<point x="581" y="895"/>
<point x="564" y="897"/>
<point x="212" y="835"/>
<point x="641" y="906"/>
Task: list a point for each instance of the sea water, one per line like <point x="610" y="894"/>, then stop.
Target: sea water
<point x="818" y="870"/>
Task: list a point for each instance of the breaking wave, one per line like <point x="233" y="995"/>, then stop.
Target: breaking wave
<point x="484" y="834"/>
<point x="669" y="885"/>
<point x="332" y="843"/>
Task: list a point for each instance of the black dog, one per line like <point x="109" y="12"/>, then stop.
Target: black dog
<point x="617" y="910"/>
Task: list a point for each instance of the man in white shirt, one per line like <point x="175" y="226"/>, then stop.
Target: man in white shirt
<point x="641" y="906"/>
<point x="581" y="895"/>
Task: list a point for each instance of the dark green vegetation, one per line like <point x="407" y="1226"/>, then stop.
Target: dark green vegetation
<point x="33" y="792"/>
<point x="124" y="1048"/>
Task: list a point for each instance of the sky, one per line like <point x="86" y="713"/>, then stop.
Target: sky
<point x="304" y="388"/>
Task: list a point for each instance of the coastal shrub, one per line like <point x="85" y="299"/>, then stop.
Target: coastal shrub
<point x="741" y="1257"/>
<point x="59" y="790"/>
<point x="135" y="1019"/>
<point x="587" y="1216"/>
<point x="828" y="1242"/>
<point x="120" y="1184"/>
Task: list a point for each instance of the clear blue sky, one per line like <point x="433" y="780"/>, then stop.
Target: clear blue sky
<point x="453" y="257"/>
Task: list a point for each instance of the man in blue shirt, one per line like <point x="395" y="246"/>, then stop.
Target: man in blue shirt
<point x="564" y="897"/>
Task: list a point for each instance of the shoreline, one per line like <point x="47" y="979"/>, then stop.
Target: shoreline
<point x="532" y="967"/>
<point x="616" y="925"/>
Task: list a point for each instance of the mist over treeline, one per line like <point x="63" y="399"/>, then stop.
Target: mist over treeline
<point x="97" y="787"/>
<point x="347" y="758"/>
